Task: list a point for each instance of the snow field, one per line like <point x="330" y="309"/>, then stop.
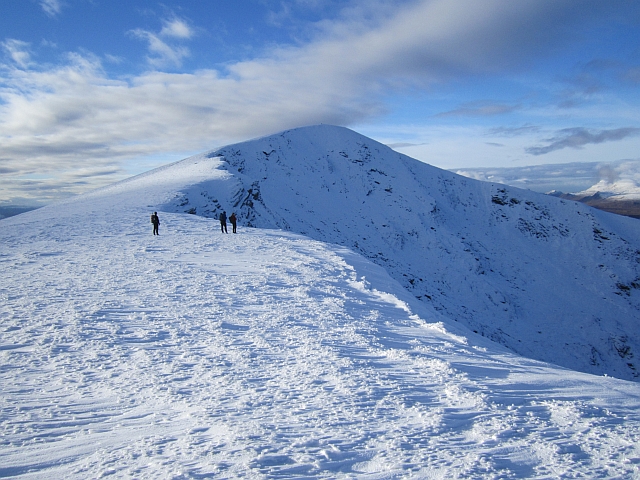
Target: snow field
<point x="266" y="354"/>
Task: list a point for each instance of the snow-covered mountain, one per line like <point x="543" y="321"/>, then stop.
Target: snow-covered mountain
<point x="550" y="279"/>
<point x="615" y="194"/>
<point x="621" y="190"/>
<point x="269" y="354"/>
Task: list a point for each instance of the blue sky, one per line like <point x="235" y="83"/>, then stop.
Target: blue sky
<point x="93" y="91"/>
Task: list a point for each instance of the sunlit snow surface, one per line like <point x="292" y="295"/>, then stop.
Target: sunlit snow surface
<point x="269" y="354"/>
<point x="265" y="354"/>
<point x="549" y="279"/>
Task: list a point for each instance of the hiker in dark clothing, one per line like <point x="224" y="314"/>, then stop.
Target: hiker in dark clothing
<point x="233" y="219"/>
<point x="223" y="222"/>
<point x="156" y="223"/>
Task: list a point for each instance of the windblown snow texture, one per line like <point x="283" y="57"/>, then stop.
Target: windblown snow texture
<point x="265" y="354"/>
<point x="270" y="354"/>
<point x="549" y="279"/>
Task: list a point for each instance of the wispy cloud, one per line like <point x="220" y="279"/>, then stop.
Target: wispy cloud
<point x="162" y="52"/>
<point x="51" y="7"/>
<point x="403" y="145"/>
<point x="514" y="131"/>
<point x="277" y="18"/>
<point x="482" y="109"/>
<point x="176" y="28"/>
<point x="18" y="51"/>
<point x="579" y="137"/>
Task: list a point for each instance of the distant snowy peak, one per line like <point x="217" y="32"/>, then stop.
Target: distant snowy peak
<point x="621" y="197"/>
<point x="623" y="189"/>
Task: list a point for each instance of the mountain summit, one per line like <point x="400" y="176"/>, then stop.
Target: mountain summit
<point x="549" y="279"/>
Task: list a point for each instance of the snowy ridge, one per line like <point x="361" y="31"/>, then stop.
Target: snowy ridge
<point x="548" y="278"/>
<point x="264" y="355"/>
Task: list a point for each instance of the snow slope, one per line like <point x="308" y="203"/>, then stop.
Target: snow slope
<point x="265" y="354"/>
<point x="550" y="279"/>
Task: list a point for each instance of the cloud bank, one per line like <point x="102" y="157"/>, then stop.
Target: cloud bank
<point x="568" y="178"/>
<point x="74" y="117"/>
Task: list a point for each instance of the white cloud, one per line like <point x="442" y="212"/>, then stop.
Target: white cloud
<point x="162" y="54"/>
<point x="176" y="28"/>
<point x="51" y="7"/>
<point x="18" y="51"/>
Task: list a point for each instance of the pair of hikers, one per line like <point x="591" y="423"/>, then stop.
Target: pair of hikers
<point x="155" y="220"/>
<point x="223" y="222"/>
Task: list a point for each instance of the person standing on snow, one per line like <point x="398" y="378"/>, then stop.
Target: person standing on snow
<point x="156" y="223"/>
<point x="223" y="222"/>
<point x="233" y="219"/>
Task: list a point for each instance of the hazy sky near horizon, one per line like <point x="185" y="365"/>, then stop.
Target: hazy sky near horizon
<point x="93" y="91"/>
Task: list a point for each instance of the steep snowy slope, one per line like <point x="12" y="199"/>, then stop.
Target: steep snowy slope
<point x="550" y="279"/>
<point x="263" y="355"/>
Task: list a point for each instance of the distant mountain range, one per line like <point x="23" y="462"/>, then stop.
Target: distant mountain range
<point x="547" y="278"/>
<point x="629" y="208"/>
<point x="6" y="212"/>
